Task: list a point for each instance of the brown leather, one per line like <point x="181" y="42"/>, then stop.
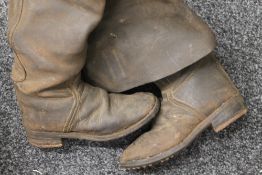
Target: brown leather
<point x="138" y="42"/>
<point x="193" y="99"/>
<point x="49" y="39"/>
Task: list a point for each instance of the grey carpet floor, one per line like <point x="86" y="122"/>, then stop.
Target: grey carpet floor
<point x="236" y="150"/>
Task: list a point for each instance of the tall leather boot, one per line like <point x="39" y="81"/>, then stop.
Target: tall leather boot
<point x="142" y="41"/>
<point x="49" y="41"/>
<point x="200" y="96"/>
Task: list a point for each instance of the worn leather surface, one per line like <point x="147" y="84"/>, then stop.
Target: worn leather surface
<point x="49" y="39"/>
<point x="138" y="42"/>
<point x="189" y="97"/>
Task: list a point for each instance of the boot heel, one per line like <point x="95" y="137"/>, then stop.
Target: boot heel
<point x="43" y="142"/>
<point x="228" y="113"/>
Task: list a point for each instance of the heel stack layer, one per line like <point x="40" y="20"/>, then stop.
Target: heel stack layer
<point x="228" y="113"/>
<point x="43" y="142"/>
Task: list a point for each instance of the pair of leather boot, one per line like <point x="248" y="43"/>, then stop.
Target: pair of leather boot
<point x="164" y="42"/>
<point x="137" y="42"/>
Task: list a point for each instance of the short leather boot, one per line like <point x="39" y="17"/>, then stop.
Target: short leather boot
<point x="200" y="96"/>
<point x="49" y="41"/>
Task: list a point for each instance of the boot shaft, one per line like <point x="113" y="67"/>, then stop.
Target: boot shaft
<point x="142" y="41"/>
<point x="49" y="41"/>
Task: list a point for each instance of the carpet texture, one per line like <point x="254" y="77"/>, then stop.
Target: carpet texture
<point x="236" y="150"/>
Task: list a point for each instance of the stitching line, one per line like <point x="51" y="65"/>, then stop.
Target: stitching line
<point x="11" y="38"/>
<point x="72" y="112"/>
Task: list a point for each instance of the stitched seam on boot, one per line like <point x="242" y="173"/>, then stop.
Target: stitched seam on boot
<point x="18" y="19"/>
<point x="77" y="99"/>
<point x="184" y="106"/>
<point x="11" y="38"/>
<point x="73" y="110"/>
<point x="76" y="122"/>
<point x="76" y="115"/>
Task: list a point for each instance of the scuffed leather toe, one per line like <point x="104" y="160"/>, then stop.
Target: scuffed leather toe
<point x="130" y="109"/>
<point x="172" y="126"/>
<point x="115" y="112"/>
<point x="148" y="145"/>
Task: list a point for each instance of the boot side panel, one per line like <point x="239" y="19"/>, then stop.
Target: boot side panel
<point x="44" y="114"/>
<point x="207" y="87"/>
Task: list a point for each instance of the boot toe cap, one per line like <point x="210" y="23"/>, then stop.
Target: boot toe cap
<point x="137" y="108"/>
<point x="147" y="149"/>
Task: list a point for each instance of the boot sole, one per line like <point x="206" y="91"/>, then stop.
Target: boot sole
<point x="54" y="139"/>
<point x="225" y="115"/>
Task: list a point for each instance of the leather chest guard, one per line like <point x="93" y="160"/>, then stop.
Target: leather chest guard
<point x="141" y="41"/>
